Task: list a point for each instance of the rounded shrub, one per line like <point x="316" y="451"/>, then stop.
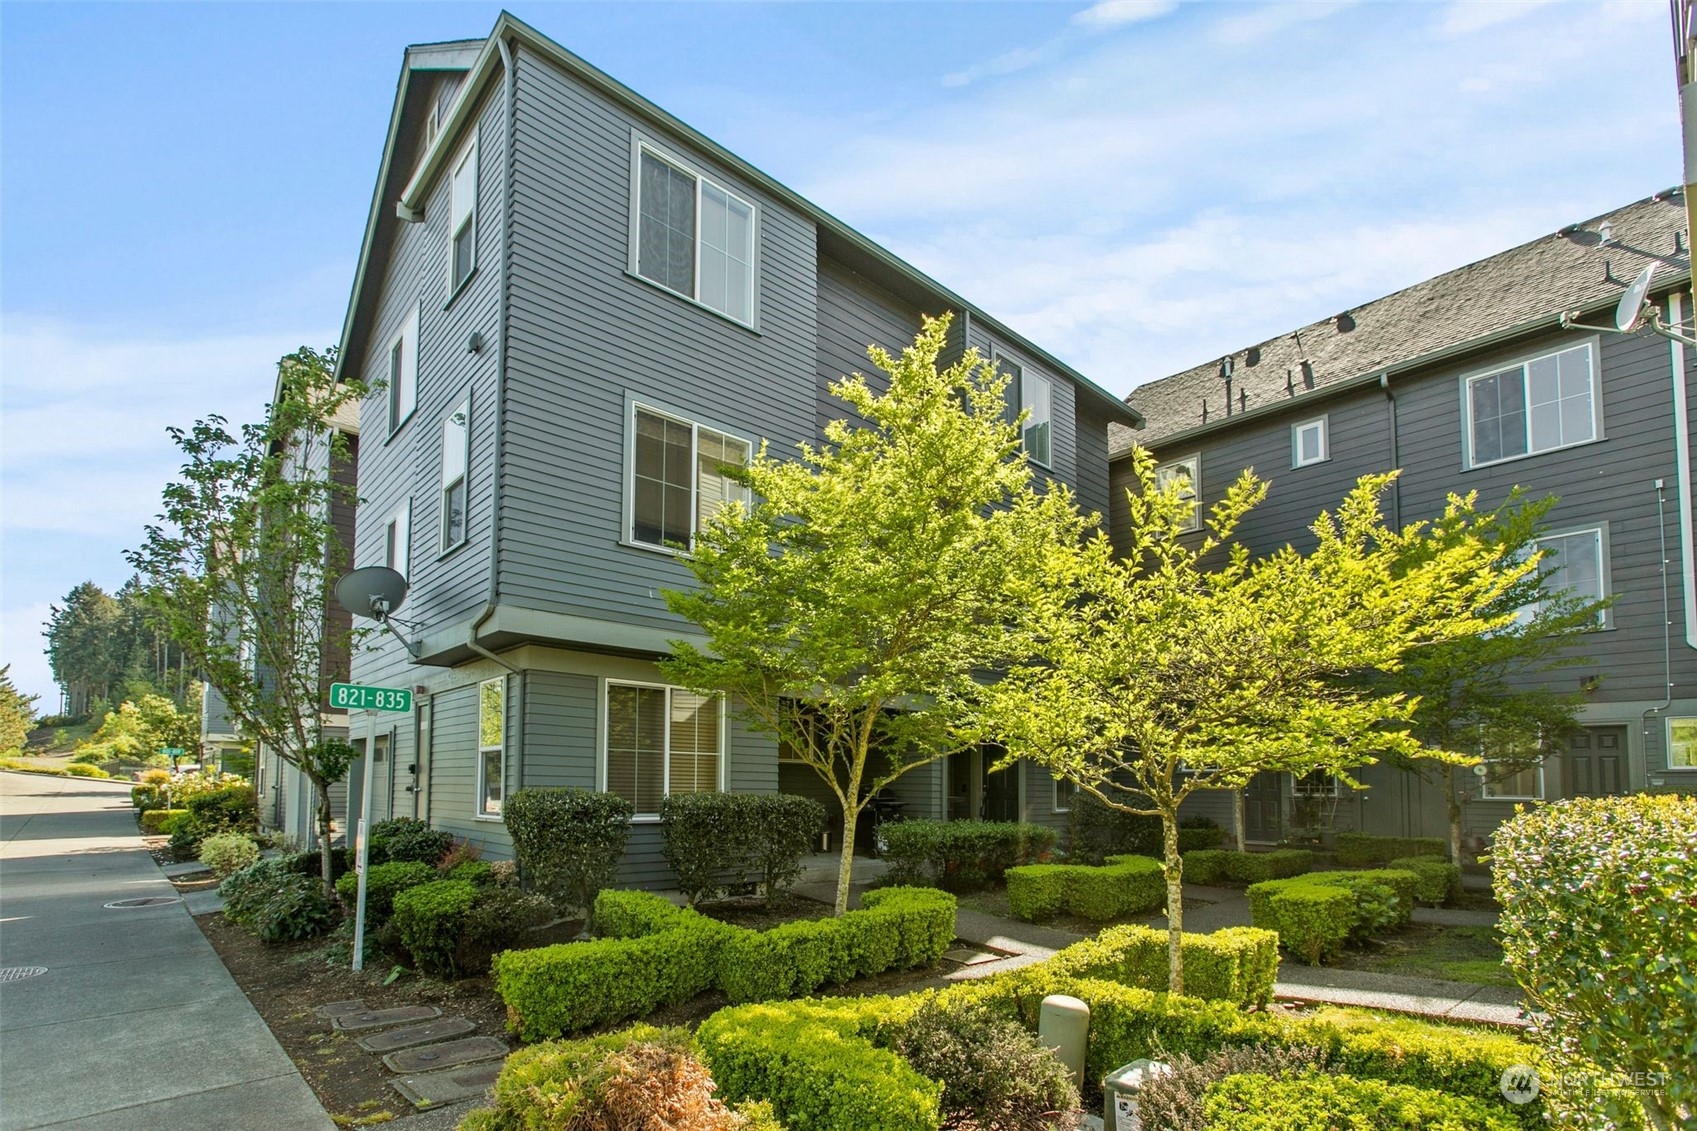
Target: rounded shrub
<point x="81" y="770"/>
<point x="430" y="919"/>
<point x="719" y="841"/>
<point x="568" y="841"/>
<point x="383" y="883"/>
<point x="228" y="853"/>
<point x="403" y="839"/>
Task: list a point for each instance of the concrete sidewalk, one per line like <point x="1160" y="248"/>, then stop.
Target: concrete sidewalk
<point x="136" y="1022"/>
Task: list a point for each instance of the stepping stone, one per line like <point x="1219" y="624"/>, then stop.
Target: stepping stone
<point x="337" y="1008"/>
<point x="433" y="1089"/>
<point x="970" y="957"/>
<point x="379" y="1018"/>
<point x="439" y="1030"/>
<point x="449" y="1054"/>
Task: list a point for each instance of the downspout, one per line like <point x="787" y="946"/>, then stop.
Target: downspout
<point x="1667" y="619"/>
<point x="1682" y="470"/>
<point x="1396" y="454"/>
<point x="509" y="84"/>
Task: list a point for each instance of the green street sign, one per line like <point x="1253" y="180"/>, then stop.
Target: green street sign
<point x="171" y="751"/>
<point x="354" y="697"/>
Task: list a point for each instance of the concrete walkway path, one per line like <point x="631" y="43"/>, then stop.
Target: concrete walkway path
<point x="135" y="1022"/>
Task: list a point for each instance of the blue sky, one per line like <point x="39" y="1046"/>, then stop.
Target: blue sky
<point x="1137" y="184"/>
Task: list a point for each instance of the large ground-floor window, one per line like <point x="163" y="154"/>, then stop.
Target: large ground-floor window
<point x="662" y="740"/>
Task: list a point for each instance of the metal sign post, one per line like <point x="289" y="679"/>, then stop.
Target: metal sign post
<point x="376" y="701"/>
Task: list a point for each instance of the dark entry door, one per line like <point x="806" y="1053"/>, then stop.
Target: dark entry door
<point x="1596" y="762"/>
<point x="1262" y="808"/>
<point x="1000" y="795"/>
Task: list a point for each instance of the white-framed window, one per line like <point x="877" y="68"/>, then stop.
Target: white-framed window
<point x="1538" y="405"/>
<point x="662" y="740"/>
<point x="456" y="458"/>
<point x="1065" y="790"/>
<point x="1309" y="443"/>
<point x="462" y="218"/>
<point x="677" y="481"/>
<point x="491" y="746"/>
<point x="397" y="539"/>
<point x="1187" y="473"/>
<point x="403" y="372"/>
<point x="432" y="124"/>
<point x="1575" y="564"/>
<point x="1682" y="743"/>
<point x="1036" y="399"/>
<point x="1315" y="783"/>
<point x="693" y="236"/>
<point x="1505" y="783"/>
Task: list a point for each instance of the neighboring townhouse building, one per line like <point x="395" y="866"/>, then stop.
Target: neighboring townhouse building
<point x="581" y="309"/>
<point x="288" y="801"/>
<point x="1468" y="382"/>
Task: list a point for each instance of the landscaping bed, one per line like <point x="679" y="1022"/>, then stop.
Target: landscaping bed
<point x="1454" y="954"/>
<point x="994" y="901"/>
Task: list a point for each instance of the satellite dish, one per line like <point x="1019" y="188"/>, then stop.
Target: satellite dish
<point x="1480" y="771"/>
<point x="1631" y="308"/>
<point x="374" y="591"/>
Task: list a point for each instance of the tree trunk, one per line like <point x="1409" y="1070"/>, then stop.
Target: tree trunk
<point x="845" y="864"/>
<point x="326" y="817"/>
<point x="1173" y="865"/>
<point x="1240" y="821"/>
<point x="1452" y="798"/>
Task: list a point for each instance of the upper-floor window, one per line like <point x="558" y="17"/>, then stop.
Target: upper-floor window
<point x="694" y="237"/>
<point x="456" y="458"/>
<point x="1537" y="405"/>
<point x="1308" y="443"/>
<point x="1036" y="400"/>
<point x="491" y="745"/>
<point x="1065" y="790"/>
<point x="1187" y="473"/>
<point x="403" y="371"/>
<point x="1575" y="564"/>
<point x="462" y="223"/>
<point x="678" y="481"/>
<point x="661" y="741"/>
<point x="397" y="539"/>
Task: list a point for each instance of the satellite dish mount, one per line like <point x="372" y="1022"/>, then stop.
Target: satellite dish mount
<point x="1633" y="313"/>
<point x="376" y="592"/>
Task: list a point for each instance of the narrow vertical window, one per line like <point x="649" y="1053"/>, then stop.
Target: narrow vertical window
<point x="1187" y="474"/>
<point x="1065" y="790"/>
<point x="397" y="540"/>
<point x="727" y="252"/>
<point x="403" y="372"/>
<point x="1036" y="398"/>
<point x="462" y="226"/>
<point x="491" y="745"/>
<point x="456" y="437"/>
<point x="666" y="237"/>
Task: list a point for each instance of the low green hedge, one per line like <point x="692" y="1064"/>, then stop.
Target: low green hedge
<point x="1356" y="850"/>
<point x="1125" y="885"/>
<point x="1236" y="964"/>
<point x="1253" y="1102"/>
<point x="1316" y="914"/>
<point x="653" y="953"/>
<point x="1437" y="881"/>
<point x="817" y="1069"/>
<point x="430" y="919"/>
<point x="158" y="822"/>
<point x="1127" y="1023"/>
<point x="1219" y="865"/>
<point x="961" y="855"/>
<point x="383" y="883"/>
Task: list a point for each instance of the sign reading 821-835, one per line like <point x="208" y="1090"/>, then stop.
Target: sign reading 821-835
<point x="355" y="697"/>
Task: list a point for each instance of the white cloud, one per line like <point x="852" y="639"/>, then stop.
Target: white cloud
<point x="1118" y="13"/>
<point x="1268" y="20"/>
<point x="1464" y="17"/>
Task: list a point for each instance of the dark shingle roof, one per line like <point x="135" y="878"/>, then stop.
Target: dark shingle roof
<point x="1563" y="271"/>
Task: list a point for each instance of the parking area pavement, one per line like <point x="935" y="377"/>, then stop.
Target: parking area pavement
<point x="119" y="1017"/>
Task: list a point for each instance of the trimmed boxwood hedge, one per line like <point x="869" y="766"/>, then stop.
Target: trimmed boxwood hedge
<point x="157" y="822"/>
<point x="1316" y="914"/>
<point x="1235" y="964"/>
<point x="1355" y="850"/>
<point x="717" y="842"/>
<point x="1255" y="1102"/>
<point x="382" y="884"/>
<point x="1437" y="881"/>
<point x="1219" y="865"/>
<point x="961" y="855"/>
<point x="655" y="954"/>
<point x="430" y="919"/>
<point x="1125" y="885"/>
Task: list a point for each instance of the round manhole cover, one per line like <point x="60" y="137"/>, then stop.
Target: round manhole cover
<point x="19" y="973"/>
<point x="146" y="901"/>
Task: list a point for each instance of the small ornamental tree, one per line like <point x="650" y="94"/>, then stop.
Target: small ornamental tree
<point x="1152" y="678"/>
<point x="17" y="713"/>
<point x="1599" y="925"/>
<point x="240" y="568"/>
<point x="1482" y="694"/>
<point x="849" y="610"/>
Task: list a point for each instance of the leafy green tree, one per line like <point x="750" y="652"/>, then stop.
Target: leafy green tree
<point x="83" y="645"/>
<point x="142" y="727"/>
<point x="17" y="713"/>
<point x="848" y="609"/>
<point x="1152" y="678"/>
<point x="1488" y="693"/>
<point x="239" y="570"/>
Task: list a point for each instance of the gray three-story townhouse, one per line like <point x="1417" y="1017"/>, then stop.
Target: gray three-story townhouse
<point x="1469" y="382"/>
<point x="581" y="310"/>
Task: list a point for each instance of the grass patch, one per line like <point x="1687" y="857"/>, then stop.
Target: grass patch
<point x="1453" y="954"/>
